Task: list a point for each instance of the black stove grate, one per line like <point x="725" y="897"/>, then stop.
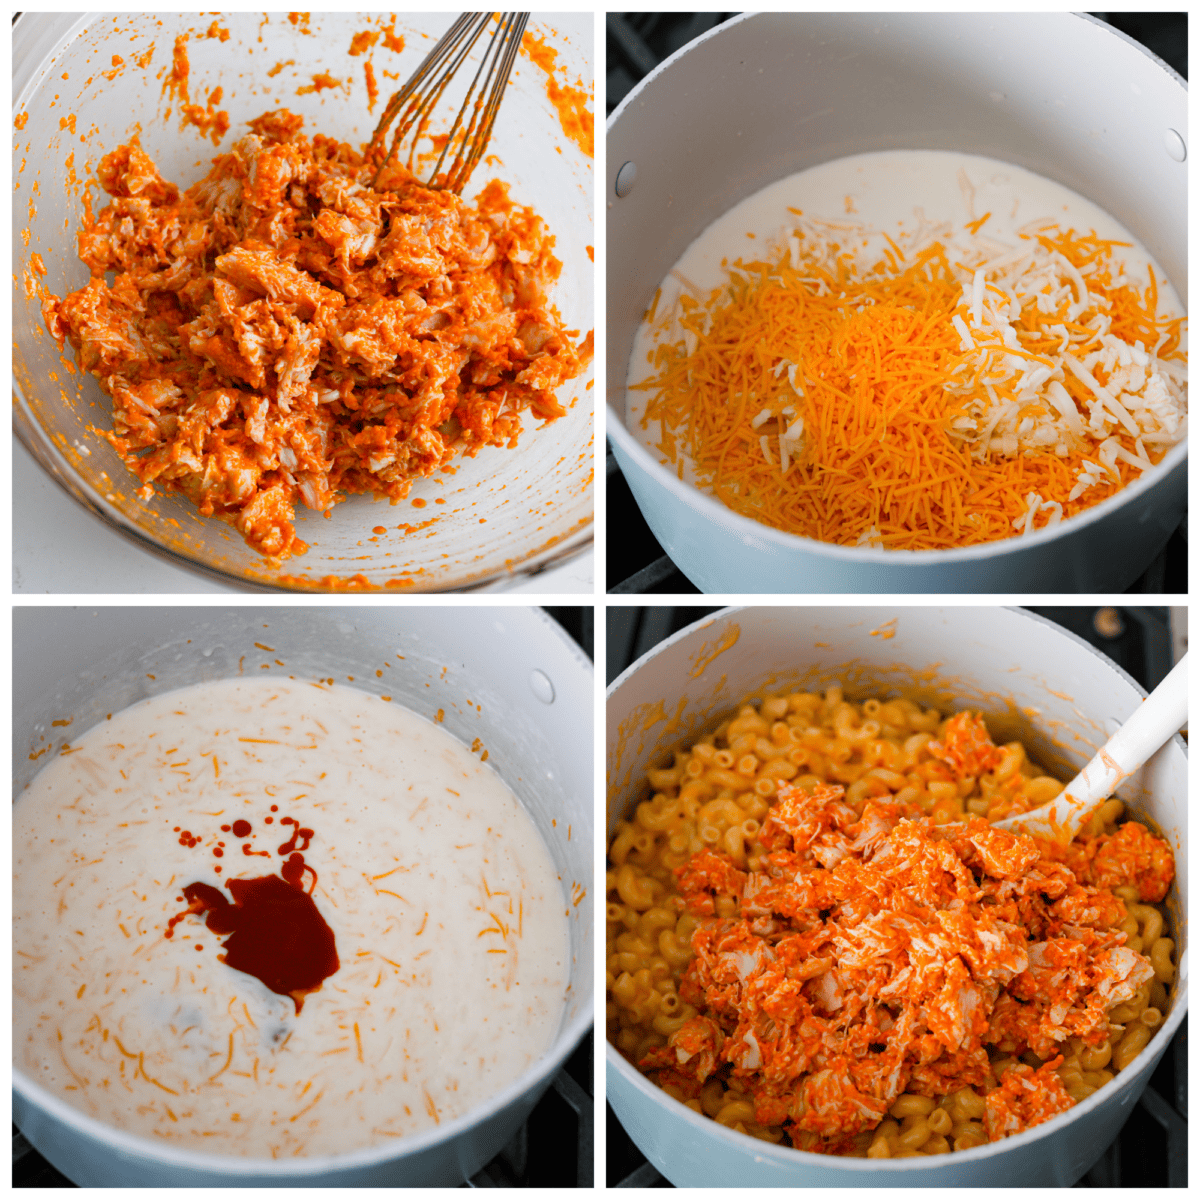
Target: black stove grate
<point x="1151" y="1149"/>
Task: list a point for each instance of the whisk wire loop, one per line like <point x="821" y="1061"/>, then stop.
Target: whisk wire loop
<point x="414" y="103"/>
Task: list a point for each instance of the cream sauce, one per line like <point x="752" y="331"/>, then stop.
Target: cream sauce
<point x="892" y="190"/>
<point x="449" y="918"/>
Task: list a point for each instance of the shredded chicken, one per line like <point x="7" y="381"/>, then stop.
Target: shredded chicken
<point x="881" y="953"/>
<point x="282" y="332"/>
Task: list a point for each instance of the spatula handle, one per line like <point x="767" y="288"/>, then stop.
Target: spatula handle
<point x="1160" y="715"/>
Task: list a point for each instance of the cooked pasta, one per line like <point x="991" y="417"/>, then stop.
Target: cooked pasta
<point x="816" y="937"/>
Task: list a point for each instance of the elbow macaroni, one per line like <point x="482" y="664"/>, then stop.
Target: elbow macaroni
<point x="717" y="796"/>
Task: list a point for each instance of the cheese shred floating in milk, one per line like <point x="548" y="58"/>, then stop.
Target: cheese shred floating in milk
<point x="943" y="387"/>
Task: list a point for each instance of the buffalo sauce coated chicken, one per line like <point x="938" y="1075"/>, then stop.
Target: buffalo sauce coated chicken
<point x="865" y="951"/>
<point x="284" y="331"/>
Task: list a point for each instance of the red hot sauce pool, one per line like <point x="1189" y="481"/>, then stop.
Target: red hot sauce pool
<point x="277" y="933"/>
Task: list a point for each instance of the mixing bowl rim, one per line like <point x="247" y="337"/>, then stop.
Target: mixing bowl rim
<point x="560" y="554"/>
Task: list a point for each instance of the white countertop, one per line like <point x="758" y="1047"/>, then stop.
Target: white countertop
<point x="59" y="547"/>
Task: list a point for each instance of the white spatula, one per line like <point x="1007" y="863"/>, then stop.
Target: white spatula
<point x="1162" y="714"/>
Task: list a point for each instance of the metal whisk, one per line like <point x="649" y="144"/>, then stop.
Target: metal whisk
<point x="414" y="102"/>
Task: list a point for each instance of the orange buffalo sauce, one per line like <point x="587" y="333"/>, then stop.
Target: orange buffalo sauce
<point x="571" y="103"/>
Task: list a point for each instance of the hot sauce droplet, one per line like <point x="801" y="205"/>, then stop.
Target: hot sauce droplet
<point x="290" y="845"/>
<point x="293" y="871"/>
<point x="241" y="829"/>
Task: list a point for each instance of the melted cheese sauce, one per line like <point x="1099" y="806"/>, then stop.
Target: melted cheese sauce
<point x="891" y="190"/>
<point x="449" y="918"/>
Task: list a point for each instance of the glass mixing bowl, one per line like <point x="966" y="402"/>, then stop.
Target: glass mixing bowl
<point x="84" y="84"/>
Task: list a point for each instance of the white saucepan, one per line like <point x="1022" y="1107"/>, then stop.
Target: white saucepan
<point x="1034" y="681"/>
<point x="534" y="692"/>
<point x="769" y="94"/>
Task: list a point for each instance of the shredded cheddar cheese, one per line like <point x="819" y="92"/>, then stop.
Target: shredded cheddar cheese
<point x="918" y="391"/>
